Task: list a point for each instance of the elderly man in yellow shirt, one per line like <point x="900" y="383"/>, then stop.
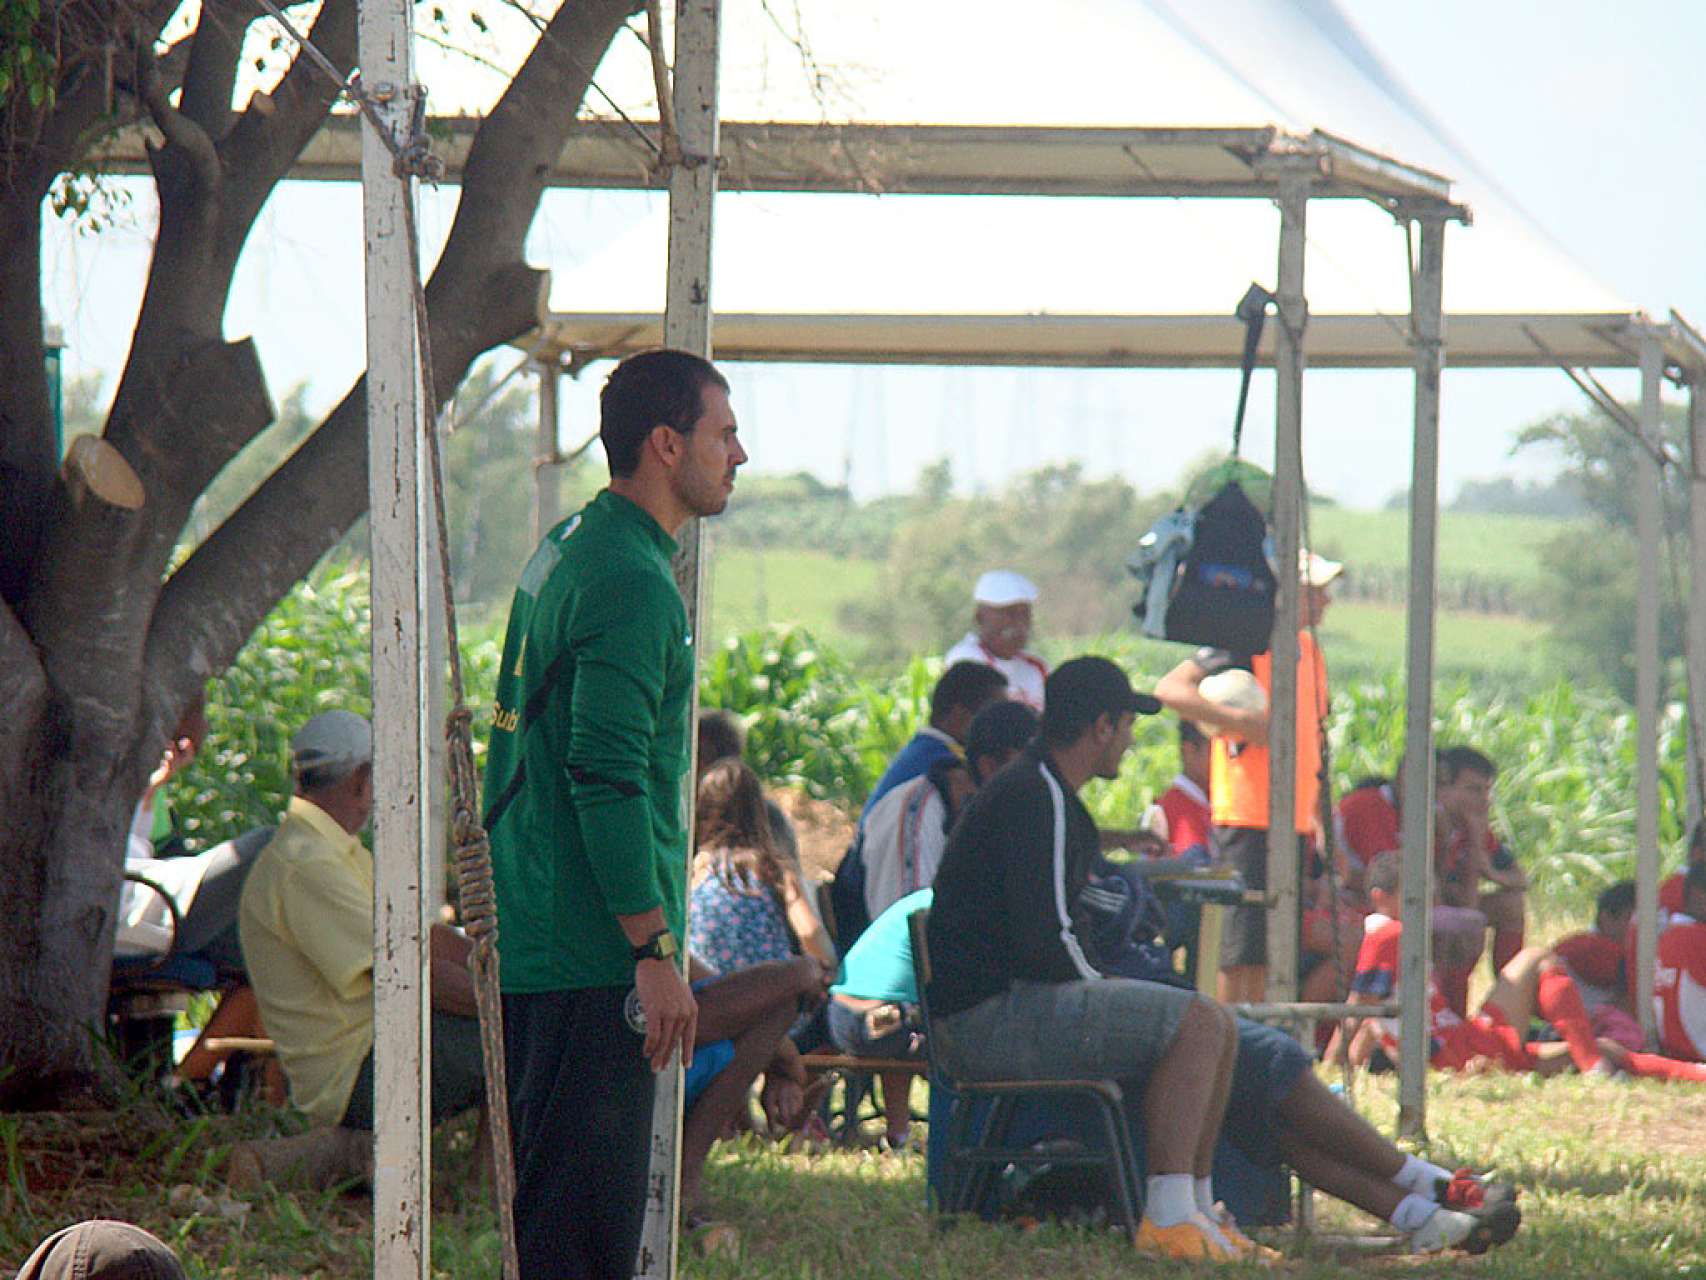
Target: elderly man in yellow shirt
<point x="306" y="925"/>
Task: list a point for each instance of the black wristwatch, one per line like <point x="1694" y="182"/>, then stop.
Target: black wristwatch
<point x="660" y="946"/>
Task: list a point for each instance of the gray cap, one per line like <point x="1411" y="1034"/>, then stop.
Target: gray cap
<point x="331" y="746"/>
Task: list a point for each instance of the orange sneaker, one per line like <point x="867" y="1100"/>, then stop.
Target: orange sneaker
<point x="1195" y="1239"/>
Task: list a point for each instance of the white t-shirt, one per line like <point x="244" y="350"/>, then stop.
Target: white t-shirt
<point x="903" y="843"/>
<point x="1025" y="672"/>
<point x="144" y="920"/>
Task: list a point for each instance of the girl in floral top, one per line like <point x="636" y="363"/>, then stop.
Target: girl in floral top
<point x="747" y="907"/>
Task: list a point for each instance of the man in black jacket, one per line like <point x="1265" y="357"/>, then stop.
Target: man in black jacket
<point x="1013" y="994"/>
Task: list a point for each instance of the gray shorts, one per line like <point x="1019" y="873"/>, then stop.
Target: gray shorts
<point x="1114" y="1028"/>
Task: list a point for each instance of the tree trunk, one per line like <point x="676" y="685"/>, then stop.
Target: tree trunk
<point x="100" y="649"/>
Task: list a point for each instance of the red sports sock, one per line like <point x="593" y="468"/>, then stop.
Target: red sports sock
<point x="1561" y="1005"/>
<point x="1506" y="944"/>
<point x="1454" y="986"/>
<point x="1655" y="1067"/>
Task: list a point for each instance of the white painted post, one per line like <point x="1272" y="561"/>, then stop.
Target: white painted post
<point x="1696" y="646"/>
<point x="1283" y="882"/>
<point x="401" y="680"/>
<point x="687" y="326"/>
<point x="1426" y="321"/>
<point x="546" y="508"/>
<point x="1648" y="512"/>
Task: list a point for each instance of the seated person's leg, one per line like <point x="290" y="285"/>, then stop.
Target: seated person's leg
<point x="1460" y="935"/>
<point x="865" y="1031"/>
<point x="754" y="1019"/>
<point x="1505" y="910"/>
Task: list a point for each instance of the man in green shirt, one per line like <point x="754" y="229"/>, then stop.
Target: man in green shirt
<point x="588" y="749"/>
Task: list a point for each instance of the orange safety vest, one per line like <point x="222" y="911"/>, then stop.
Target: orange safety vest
<point x="1238" y="772"/>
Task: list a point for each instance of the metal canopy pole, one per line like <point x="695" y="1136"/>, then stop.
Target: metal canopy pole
<point x="1416" y="961"/>
<point x="401" y="680"/>
<point x="1648" y="512"/>
<point x="1696" y="646"/>
<point x="1284" y="923"/>
<point x="687" y="326"/>
<point x="546" y="508"/>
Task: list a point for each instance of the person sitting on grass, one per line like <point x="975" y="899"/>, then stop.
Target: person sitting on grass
<point x="1476" y="869"/>
<point x="1672" y="888"/>
<point x="1597" y="959"/>
<point x="1496" y="1037"/>
<point x="1679" y="976"/>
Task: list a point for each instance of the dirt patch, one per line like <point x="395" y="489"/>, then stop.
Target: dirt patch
<point x="824" y="831"/>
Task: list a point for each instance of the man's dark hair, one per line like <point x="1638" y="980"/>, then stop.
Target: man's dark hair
<point x="653" y="389"/>
<point x="999" y="728"/>
<point x="720" y="736"/>
<point x="1616" y="900"/>
<point x="965" y="684"/>
<point x="1190" y="735"/>
<point x="1694" y="880"/>
<point x="1454" y="762"/>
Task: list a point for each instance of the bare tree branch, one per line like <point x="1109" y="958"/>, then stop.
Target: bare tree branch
<point x="181" y="132"/>
<point x="212" y="72"/>
<point x="267" y="138"/>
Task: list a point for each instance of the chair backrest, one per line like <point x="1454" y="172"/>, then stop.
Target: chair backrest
<point x="917" y="926"/>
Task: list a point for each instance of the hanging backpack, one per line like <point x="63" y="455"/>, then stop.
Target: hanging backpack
<point x="1206" y="568"/>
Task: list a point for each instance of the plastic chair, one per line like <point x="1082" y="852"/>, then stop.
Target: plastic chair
<point x="974" y="1157"/>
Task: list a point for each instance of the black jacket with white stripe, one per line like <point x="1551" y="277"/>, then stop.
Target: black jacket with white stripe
<point x="1008" y="887"/>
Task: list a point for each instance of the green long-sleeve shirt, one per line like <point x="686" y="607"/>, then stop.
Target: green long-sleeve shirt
<point x="588" y="748"/>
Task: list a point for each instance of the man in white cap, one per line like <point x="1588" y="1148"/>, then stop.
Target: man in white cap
<point x="1003" y="602"/>
<point x="1238" y="769"/>
<point x="306" y="924"/>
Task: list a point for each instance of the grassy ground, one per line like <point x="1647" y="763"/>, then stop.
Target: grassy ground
<point x="1613" y="1178"/>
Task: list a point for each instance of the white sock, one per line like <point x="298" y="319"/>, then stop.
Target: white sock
<point x="1169" y="1199"/>
<point x="1412" y="1212"/>
<point x="1421" y="1177"/>
<point x="1205" y="1197"/>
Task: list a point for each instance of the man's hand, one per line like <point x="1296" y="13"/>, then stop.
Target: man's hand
<point x="672" y="1014"/>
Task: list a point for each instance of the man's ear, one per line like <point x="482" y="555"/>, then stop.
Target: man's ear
<point x="666" y="442"/>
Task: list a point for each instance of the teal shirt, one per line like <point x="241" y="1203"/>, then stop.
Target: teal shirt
<point x="879" y="967"/>
<point x="589" y="744"/>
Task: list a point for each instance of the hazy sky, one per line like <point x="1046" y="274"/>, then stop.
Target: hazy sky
<point x="1584" y="113"/>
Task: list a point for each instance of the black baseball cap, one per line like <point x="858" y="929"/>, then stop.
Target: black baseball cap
<point x="1078" y="691"/>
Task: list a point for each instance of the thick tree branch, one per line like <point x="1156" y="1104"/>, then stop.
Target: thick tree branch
<point x="268" y="137"/>
<point x="26" y="416"/>
<point x="182" y="132"/>
<point x="211" y="605"/>
<point x="212" y="72"/>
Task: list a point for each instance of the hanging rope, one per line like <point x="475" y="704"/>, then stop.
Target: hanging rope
<point x="412" y="158"/>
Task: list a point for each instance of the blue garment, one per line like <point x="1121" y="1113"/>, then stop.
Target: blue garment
<point x="735" y="927"/>
<point x="708" y="1063"/>
<point x="879" y="966"/>
<point x="914" y="761"/>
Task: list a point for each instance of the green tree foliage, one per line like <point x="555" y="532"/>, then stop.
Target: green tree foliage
<point x="800" y="511"/>
<point x="1590" y="568"/>
<point x="1070" y="535"/>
